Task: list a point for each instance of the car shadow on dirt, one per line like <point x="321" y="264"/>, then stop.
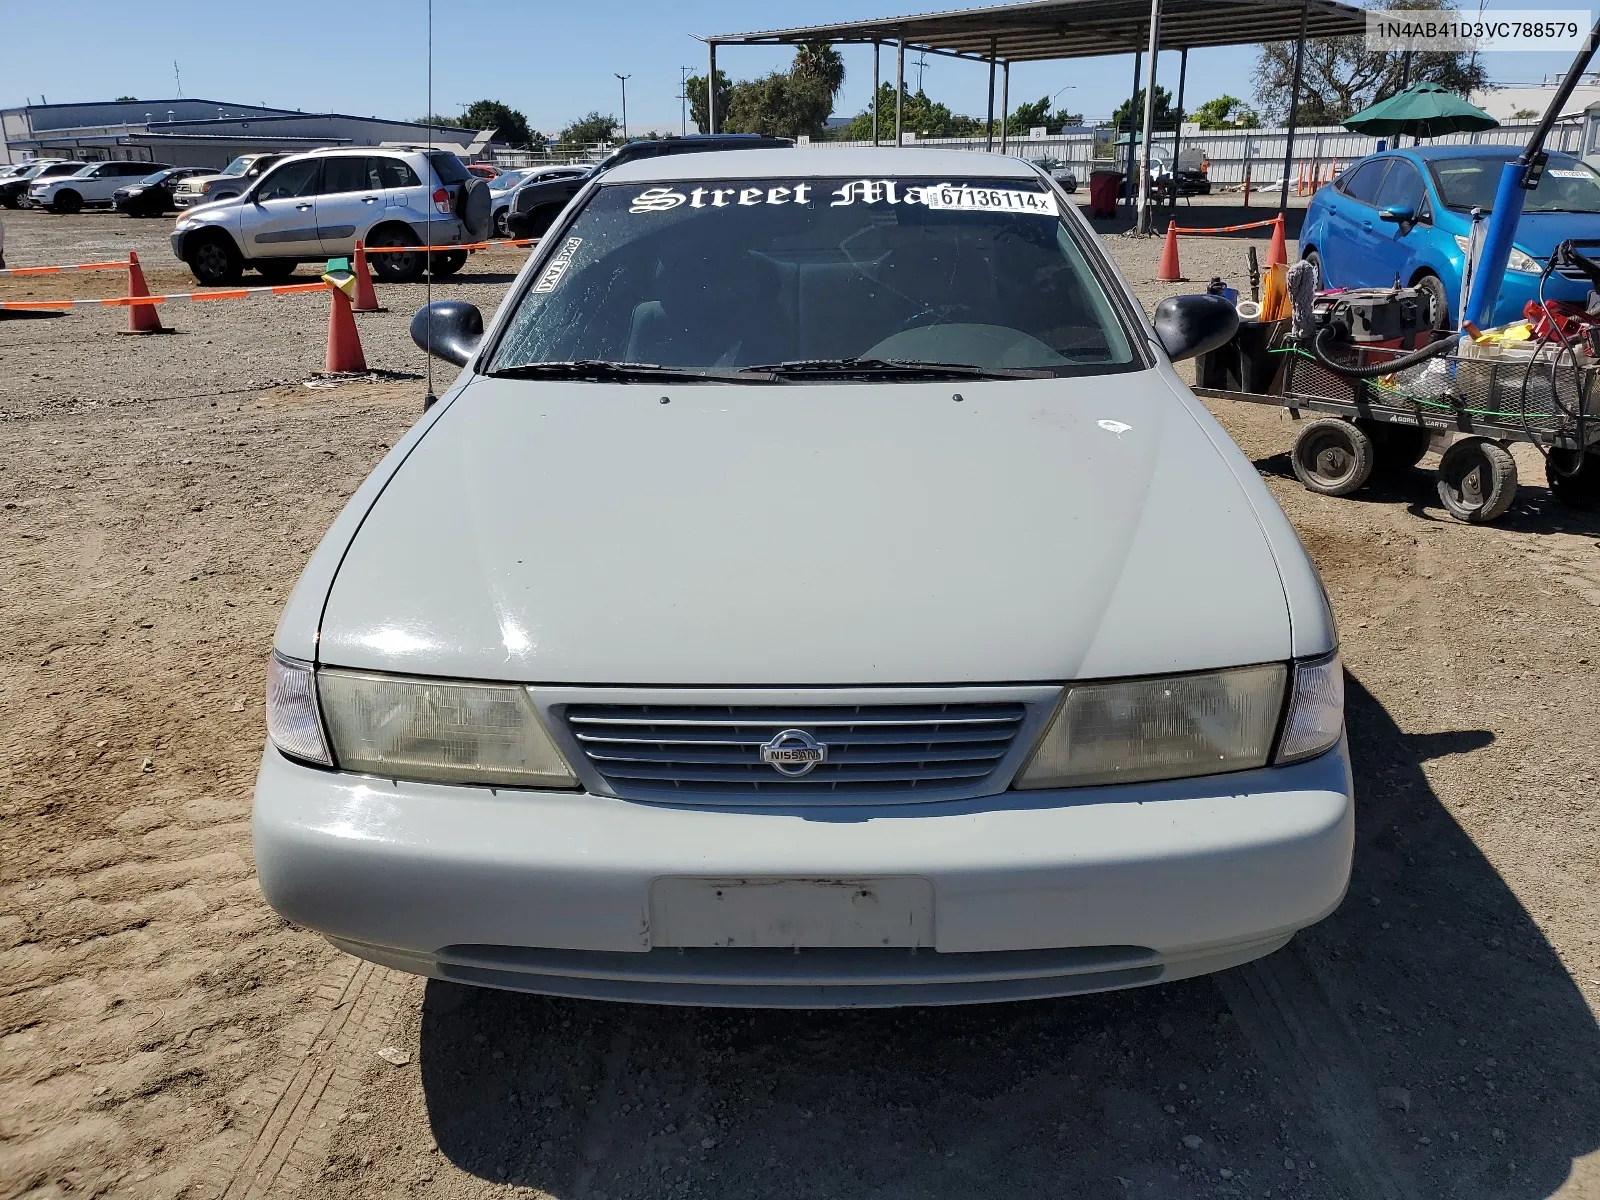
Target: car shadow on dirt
<point x="1424" y="1041"/>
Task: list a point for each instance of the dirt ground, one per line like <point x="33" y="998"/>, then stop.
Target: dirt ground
<point x="164" y="1034"/>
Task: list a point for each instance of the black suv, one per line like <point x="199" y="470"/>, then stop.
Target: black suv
<point x="536" y="205"/>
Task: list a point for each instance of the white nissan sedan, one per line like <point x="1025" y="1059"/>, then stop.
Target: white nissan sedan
<point x="816" y="590"/>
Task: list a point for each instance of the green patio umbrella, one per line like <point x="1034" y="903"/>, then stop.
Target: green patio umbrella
<point x="1424" y="110"/>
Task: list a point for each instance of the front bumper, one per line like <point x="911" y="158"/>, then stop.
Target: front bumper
<point x="1027" y="894"/>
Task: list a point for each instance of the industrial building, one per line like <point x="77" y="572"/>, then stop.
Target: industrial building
<point x="201" y="133"/>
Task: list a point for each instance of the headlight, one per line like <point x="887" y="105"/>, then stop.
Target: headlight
<point x="1519" y="261"/>
<point x="1523" y="262"/>
<point x="1168" y="728"/>
<point x="1316" y="709"/>
<point x="437" y="731"/>
<point x="292" y="721"/>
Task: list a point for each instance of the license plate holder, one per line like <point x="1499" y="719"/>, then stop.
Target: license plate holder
<point x="792" y="913"/>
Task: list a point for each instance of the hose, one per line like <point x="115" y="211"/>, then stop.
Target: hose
<point x="1324" y="339"/>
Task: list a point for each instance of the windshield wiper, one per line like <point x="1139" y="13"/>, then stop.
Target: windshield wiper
<point x="605" y="370"/>
<point x="892" y="366"/>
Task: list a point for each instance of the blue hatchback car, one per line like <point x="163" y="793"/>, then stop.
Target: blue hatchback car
<point x="1406" y="214"/>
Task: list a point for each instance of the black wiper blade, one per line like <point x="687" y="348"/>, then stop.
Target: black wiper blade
<point x="895" y="366"/>
<point x="605" y="370"/>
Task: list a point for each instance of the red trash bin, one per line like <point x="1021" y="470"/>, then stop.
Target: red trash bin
<point x="1104" y="188"/>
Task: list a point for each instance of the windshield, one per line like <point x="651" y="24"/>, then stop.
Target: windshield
<point x="238" y="166"/>
<point x="506" y="179"/>
<point x="730" y="274"/>
<point x="158" y="177"/>
<point x="1568" y="185"/>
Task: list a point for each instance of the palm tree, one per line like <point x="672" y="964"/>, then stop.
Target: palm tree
<point x="821" y="62"/>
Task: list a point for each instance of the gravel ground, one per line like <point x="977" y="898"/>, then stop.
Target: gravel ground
<point x="164" y="1034"/>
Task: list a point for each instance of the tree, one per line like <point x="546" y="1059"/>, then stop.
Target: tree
<point x="121" y="99"/>
<point x="1226" y="112"/>
<point x="1526" y="114"/>
<point x="510" y="126"/>
<point x="592" y="128"/>
<point x="1341" y="76"/>
<point x="782" y="104"/>
<point x="1036" y="113"/>
<point x="820" y="63"/>
<point x="437" y="119"/>
<point x="1166" y="114"/>
<point x="922" y="116"/>
<point x="695" y="88"/>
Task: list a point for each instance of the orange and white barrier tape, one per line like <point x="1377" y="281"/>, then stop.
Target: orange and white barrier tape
<point x="460" y="246"/>
<point x="282" y="289"/>
<point x="1231" y="228"/>
<point x="119" y="265"/>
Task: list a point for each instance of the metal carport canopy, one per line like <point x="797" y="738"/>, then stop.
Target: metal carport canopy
<point x="1051" y="29"/>
<point x="1043" y="30"/>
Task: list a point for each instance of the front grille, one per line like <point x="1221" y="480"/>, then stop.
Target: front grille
<point x="666" y="750"/>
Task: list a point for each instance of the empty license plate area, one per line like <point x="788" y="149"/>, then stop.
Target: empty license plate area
<point x="791" y="912"/>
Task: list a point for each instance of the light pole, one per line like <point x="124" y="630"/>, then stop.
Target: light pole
<point x="683" y="96"/>
<point x="624" y="79"/>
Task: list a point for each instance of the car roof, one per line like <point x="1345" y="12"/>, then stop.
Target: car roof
<point x="1427" y="153"/>
<point x="822" y="162"/>
<point x="329" y="151"/>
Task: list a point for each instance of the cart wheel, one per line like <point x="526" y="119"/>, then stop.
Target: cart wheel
<point x="1477" y="479"/>
<point x="1574" y="481"/>
<point x="1332" y="456"/>
<point x="1398" y="447"/>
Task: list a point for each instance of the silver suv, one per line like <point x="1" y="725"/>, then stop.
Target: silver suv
<point x="315" y="206"/>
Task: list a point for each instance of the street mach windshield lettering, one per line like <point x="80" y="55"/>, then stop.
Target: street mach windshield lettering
<point x="943" y="196"/>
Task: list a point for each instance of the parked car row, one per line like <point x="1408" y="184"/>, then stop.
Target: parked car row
<point x="15" y="186"/>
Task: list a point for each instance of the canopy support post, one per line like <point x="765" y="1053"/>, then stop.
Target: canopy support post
<point x="1133" y="99"/>
<point x="711" y="87"/>
<point x="1143" y="222"/>
<point x="1005" y="104"/>
<point x="876" y="46"/>
<point x="1177" y="134"/>
<point x="988" y="140"/>
<point x="1294" y="110"/>
<point x="899" y="91"/>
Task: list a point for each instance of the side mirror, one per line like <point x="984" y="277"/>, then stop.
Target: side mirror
<point x="448" y="329"/>
<point x="1195" y="324"/>
<point x="1398" y="214"/>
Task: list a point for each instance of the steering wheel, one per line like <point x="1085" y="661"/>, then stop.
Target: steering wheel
<point x="941" y="314"/>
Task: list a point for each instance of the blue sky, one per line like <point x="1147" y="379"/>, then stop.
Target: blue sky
<point x="553" y="61"/>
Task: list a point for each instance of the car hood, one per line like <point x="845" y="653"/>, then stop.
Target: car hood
<point x="810" y="534"/>
<point x="1540" y="233"/>
<point x="1537" y="233"/>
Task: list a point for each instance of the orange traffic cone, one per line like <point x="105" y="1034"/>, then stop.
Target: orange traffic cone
<point x="366" y="298"/>
<point x="344" y="343"/>
<point x="1168" y="272"/>
<point x="142" y="318"/>
<point x="1278" y="251"/>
